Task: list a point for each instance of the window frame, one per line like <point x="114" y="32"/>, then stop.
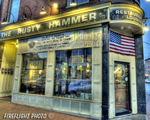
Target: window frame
<point x="10" y="14"/>
<point x="85" y="93"/>
<point x="43" y="67"/>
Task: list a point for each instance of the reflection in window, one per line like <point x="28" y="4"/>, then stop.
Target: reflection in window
<point x="33" y="73"/>
<point x="121" y="73"/>
<point x="73" y="74"/>
<point x="14" y="9"/>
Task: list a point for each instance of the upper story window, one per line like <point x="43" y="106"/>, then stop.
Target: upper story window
<point x="73" y="74"/>
<point x="33" y="73"/>
<point x="14" y="10"/>
<point x="79" y="2"/>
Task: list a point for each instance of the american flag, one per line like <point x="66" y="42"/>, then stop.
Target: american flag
<point x="121" y="44"/>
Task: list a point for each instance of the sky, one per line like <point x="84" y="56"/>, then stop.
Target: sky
<point x="146" y="37"/>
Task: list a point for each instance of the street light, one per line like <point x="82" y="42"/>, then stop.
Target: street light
<point x="146" y="28"/>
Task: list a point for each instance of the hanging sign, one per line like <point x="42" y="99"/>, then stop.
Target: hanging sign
<point x="78" y="20"/>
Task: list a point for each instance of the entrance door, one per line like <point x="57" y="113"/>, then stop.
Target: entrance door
<point x="122" y="90"/>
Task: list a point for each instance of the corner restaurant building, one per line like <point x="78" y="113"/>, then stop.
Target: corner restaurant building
<point x="65" y="62"/>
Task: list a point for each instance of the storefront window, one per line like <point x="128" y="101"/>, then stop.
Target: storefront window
<point x="73" y="73"/>
<point x="33" y="73"/>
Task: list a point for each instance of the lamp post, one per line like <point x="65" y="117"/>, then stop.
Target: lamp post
<point x="146" y="28"/>
<point x="4" y="20"/>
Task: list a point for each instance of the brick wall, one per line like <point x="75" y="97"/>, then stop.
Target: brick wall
<point x="36" y="5"/>
<point x="4" y="9"/>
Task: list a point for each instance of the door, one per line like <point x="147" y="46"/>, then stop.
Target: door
<point x="122" y="89"/>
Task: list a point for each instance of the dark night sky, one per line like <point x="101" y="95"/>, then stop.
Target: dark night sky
<point x="146" y="38"/>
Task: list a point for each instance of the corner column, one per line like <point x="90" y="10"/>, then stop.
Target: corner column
<point x="141" y="100"/>
<point x="105" y="73"/>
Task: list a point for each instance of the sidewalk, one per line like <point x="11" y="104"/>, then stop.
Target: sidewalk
<point x="6" y="107"/>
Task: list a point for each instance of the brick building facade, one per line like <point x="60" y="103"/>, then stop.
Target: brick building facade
<point x="83" y="60"/>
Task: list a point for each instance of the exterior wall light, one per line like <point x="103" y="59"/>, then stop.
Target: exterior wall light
<point x="43" y="11"/>
<point x="4" y="20"/>
<point x="146" y="28"/>
<point x="55" y="5"/>
<point x="24" y="16"/>
<point x="73" y="3"/>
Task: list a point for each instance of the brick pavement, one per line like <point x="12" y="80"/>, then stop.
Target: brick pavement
<point x="7" y="107"/>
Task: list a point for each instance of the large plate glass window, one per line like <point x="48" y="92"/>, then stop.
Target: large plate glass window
<point x="73" y="74"/>
<point x="14" y="9"/>
<point x="33" y="73"/>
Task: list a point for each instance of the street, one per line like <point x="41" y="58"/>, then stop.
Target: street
<point x="147" y="87"/>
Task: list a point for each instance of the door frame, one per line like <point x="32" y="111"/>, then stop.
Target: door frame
<point x="129" y="89"/>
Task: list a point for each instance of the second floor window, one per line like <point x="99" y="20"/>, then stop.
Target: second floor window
<point x="79" y="2"/>
<point x="14" y="10"/>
